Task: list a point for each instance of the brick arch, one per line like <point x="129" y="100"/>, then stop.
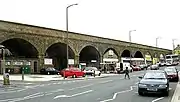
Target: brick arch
<point x="149" y="53"/>
<point x="138" y="51"/>
<point x="162" y="55"/>
<point x="125" y="50"/>
<point x="49" y="44"/>
<point x="23" y="38"/>
<point x="92" y="45"/>
<point x="111" y="48"/>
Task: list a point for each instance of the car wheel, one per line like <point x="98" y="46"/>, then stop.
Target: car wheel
<point x="140" y="93"/>
<point x="177" y="79"/>
<point x="166" y="93"/>
<point x="74" y="76"/>
<point x="99" y="74"/>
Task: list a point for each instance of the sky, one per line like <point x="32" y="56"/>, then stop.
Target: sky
<point x="104" y="18"/>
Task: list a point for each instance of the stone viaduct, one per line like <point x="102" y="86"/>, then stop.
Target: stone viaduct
<point x="33" y="42"/>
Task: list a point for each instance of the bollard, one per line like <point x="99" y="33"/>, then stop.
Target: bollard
<point x="23" y="74"/>
<point x="6" y="79"/>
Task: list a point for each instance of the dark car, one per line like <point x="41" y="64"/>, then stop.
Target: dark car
<point x="49" y="71"/>
<point x="172" y="73"/>
<point x="154" y="82"/>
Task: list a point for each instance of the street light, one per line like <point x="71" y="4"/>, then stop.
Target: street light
<point x="130" y="34"/>
<point x="130" y="42"/>
<point x="2" y="58"/>
<point x="173" y="43"/>
<point x="157" y="41"/>
<point x="67" y="32"/>
<point x="3" y="63"/>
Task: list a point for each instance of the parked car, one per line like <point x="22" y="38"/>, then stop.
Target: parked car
<point x="136" y="68"/>
<point x="161" y="64"/>
<point x="143" y="66"/>
<point x="91" y="71"/>
<point x="154" y="81"/>
<point x="49" y="71"/>
<point x="154" y="67"/>
<point x="172" y="73"/>
<point x="72" y="72"/>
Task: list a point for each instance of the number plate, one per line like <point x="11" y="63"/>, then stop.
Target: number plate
<point x="152" y="89"/>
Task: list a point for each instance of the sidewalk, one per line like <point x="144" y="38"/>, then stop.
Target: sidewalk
<point x="176" y="96"/>
<point x="49" y="77"/>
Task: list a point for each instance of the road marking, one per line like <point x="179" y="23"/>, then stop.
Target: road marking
<point x="157" y="99"/>
<point x="114" y="96"/>
<point x="105" y="81"/>
<point x="81" y="93"/>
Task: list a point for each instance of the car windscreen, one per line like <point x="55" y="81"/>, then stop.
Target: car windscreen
<point x="50" y="69"/>
<point x="154" y="75"/>
<point x="170" y="70"/>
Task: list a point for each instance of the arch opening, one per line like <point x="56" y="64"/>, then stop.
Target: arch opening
<point x="126" y="53"/>
<point x="90" y="56"/>
<point x="20" y="48"/>
<point x="110" y="58"/>
<point x="58" y="53"/>
<point x="138" y="54"/>
<point x="18" y="53"/>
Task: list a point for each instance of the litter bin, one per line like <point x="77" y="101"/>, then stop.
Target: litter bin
<point x="6" y="79"/>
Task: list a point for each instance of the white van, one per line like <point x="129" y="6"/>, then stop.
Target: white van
<point x="126" y="64"/>
<point x="120" y="67"/>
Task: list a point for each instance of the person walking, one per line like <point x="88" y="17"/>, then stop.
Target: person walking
<point x="127" y="73"/>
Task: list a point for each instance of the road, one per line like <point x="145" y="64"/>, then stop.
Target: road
<point x="109" y="89"/>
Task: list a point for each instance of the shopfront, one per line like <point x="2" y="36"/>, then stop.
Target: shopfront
<point x="109" y="60"/>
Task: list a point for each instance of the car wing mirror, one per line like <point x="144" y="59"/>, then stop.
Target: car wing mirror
<point x="140" y="77"/>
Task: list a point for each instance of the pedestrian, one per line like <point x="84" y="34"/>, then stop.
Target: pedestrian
<point x="126" y="73"/>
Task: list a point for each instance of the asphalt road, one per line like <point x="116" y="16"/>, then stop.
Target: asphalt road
<point x="109" y="89"/>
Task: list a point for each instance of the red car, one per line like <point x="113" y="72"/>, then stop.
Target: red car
<point x="172" y="73"/>
<point x="136" y="68"/>
<point x="72" y="72"/>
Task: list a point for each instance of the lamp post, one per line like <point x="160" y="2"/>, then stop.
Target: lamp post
<point x="130" y="42"/>
<point x="173" y="45"/>
<point x="157" y="41"/>
<point x="130" y="35"/>
<point x="67" y="32"/>
<point x="3" y="63"/>
<point x="3" y="59"/>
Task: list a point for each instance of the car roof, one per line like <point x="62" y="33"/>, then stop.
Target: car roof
<point x="155" y="71"/>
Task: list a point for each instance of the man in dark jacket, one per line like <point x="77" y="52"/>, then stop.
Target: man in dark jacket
<point x="126" y="73"/>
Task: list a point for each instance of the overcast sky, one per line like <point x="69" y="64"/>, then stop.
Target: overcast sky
<point x="104" y="18"/>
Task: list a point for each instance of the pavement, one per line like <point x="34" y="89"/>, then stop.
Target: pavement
<point x="108" y="89"/>
<point x="176" y="96"/>
<point x="28" y="77"/>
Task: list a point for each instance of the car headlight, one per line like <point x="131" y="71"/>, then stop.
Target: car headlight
<point x="142" y="85"/>
<point x="162" y="86"/>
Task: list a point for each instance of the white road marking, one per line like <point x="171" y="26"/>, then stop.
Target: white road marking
<point x="114" y="96"/>
<point x="57" y="90"/>
<point x="157" y="99"/>
<point x="105" y="81"/>
<point x="170" y="88"/>
<point x="81" y="93"/>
